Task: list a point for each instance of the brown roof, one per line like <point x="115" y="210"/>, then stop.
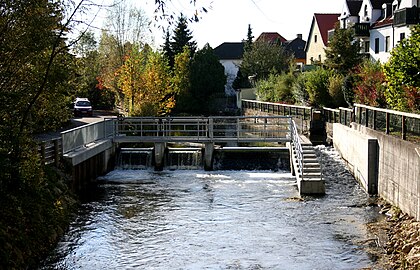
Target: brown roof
<point x="382" y="23"/>
<point x="325" y="23"/>
<point x="271" y="37"/>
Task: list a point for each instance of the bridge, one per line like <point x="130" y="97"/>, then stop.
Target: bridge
<point x="83" y="143"/>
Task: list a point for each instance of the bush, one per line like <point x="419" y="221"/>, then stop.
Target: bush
<point x="317" y="84"/>
<point x="335" y="90"/>
<point x="369" y="88"/>
<point x="277" y="88"/>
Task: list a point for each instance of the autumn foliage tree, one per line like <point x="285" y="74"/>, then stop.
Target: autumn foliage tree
<point x="369" y="87"/>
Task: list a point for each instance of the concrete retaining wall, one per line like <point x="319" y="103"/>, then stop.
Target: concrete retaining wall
<point x="398" y="164"/>
<point x="360" y="152"/>
<point x="399" y="171"/>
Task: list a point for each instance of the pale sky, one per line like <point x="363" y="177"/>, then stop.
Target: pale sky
<point x="227" y="20"/>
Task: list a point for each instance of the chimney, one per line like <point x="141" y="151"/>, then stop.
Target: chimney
<point x="299" y="36"/>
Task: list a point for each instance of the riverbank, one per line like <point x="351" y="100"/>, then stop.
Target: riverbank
<point x="397" y="239"/>
<point x="33" y="218"/>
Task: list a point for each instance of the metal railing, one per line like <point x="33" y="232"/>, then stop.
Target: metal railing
<point x="404" y="125"/>
<point x="201" y="129"/>
<point x="81" y="136"/>
<point x="341" y="115"/>
<point x="50" y="151"/>
<point x="297" y="143"/>
<point x="303" y="113"/>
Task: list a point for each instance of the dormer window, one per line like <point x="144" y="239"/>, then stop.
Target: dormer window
<point x="394" y="8"/>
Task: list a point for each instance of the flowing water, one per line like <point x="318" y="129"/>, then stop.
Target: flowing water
<point x="191" y="219"/>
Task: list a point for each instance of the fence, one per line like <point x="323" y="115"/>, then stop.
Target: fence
<point x="401" y="124"/>
<point x="50" y="151"/>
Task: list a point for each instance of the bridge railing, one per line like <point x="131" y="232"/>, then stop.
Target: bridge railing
<point x="50" y="151"/>
<point x="84" y="135"/>
<point x="202" y="129"/>
<point x="341" y="115"/>
<point x="301" y="114"/>
<point x="297" y="143"/>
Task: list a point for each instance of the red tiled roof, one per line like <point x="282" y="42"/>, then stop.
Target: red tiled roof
<point x="271" y="37"/>
<point x="326" y="22"/>
<point x="387" y="21"/>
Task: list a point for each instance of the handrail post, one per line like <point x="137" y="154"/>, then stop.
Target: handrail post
<point x="403" y="128"/>
<point x="210" y="128"/>
<point x="387" y="117"/>
<point x="374" y="120"/>
<point x="367" y="117"/>
<point x="56" y="153"/>
<point x="43" y="153"/>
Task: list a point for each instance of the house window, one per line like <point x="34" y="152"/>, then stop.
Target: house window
<point x="319" y="58"/>
<point x="366" y="11"/>
<point x="367" y="46"/>
<point x="394" y="8"/>
<point x="387" y="43"/>
<point x="376" y="45"/>
<point x="402" y="36"/>
<point x="316" y="38"/>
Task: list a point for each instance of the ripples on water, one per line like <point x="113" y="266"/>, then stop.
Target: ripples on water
<point x="218" y="220"/>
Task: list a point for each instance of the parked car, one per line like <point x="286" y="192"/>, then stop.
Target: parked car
<point x="82" y="107"/>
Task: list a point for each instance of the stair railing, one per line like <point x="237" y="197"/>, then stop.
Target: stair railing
<point x="297" y="143"/>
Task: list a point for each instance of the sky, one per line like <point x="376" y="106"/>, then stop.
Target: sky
<point x="228" y="20"/>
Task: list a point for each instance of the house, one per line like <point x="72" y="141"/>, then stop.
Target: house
<point x="230" y="55"/>
<point x="318" y="36"/>
<point x="297" y="48"/>
<point x="271" y="37"/>
<point x="380" y="24"/>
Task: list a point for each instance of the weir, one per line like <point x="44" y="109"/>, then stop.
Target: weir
<point x="218" y="138"/>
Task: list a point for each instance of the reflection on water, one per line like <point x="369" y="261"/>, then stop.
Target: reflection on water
<point x="218" y="220"/>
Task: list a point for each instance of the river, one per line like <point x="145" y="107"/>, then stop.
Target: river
<point x="192" y="219"/>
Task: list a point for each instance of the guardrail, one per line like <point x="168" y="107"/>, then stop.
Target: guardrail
<point x="201" y="129"/>
<point x="81" y="136"/>
<point x="402" y="124"/>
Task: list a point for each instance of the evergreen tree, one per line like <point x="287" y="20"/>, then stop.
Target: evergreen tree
<point x="182" y="36"/>
<point x="342" y="53"/>
<point x="249" y="37"/>
<point x="167" y="50"/>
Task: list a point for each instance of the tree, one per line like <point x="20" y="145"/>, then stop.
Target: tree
<point x="343" y="52"/>
<point x="181" y="80"/>
<point x="402" y="74"/>
<point x="249" y="38"/>
<point x="207" y="75"/>
<point x="182" y="37"/>
<point x="167" y="50"/>
<point x="369" y="87"/>
<point x="263" y="59"/>
<point x="317" y="84"/>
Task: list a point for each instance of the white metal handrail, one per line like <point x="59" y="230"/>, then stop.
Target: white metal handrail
<point x="297" y="143"/>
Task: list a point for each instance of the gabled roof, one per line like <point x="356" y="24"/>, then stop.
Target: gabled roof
<point x="354" y="6"/>
<point x="297" y="47"/>
<point x="325" y="22"/>
<point x="229" y="50"/>
<point x="272" y="37"/>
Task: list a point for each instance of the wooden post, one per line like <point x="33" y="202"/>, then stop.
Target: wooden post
<point x="403" y="128"/>
<point x="374" y="120"/>
<point x="387" y="116"/>
<point x="367" y="118"/>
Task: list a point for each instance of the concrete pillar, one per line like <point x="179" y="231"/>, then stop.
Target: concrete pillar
<point x="373" y="166"/>
<point x="159" y="155"/>
<point x="208" y="156"/>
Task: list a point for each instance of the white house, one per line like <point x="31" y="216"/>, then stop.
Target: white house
<point x="380" y="24"/>
<point x="230" y="56"/>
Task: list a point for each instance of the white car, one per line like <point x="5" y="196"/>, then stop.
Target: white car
<point x="82" y="107"/>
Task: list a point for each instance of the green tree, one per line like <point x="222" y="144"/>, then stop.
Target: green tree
<point x="343" y="52"/>
<point x="317" y="84"/>
<point x="182" y="37"/>
<point x="249" y="38"/>
<point x="402" y="74"/>
<point x="181" y="81"/>
<point x="207" y="75"/>
<point x="263" y="59"/>
<point x="277" y="88"/>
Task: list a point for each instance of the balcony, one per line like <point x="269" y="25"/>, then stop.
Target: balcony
<point x="406" y="16"/>
<point x="361" y="29"/>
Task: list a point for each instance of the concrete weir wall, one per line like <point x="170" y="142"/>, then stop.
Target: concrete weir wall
<point x="398" y="164"/>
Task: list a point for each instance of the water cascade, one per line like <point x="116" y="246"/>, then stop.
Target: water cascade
<point x="134" y="158"/>
<point x="183" y="159"/>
